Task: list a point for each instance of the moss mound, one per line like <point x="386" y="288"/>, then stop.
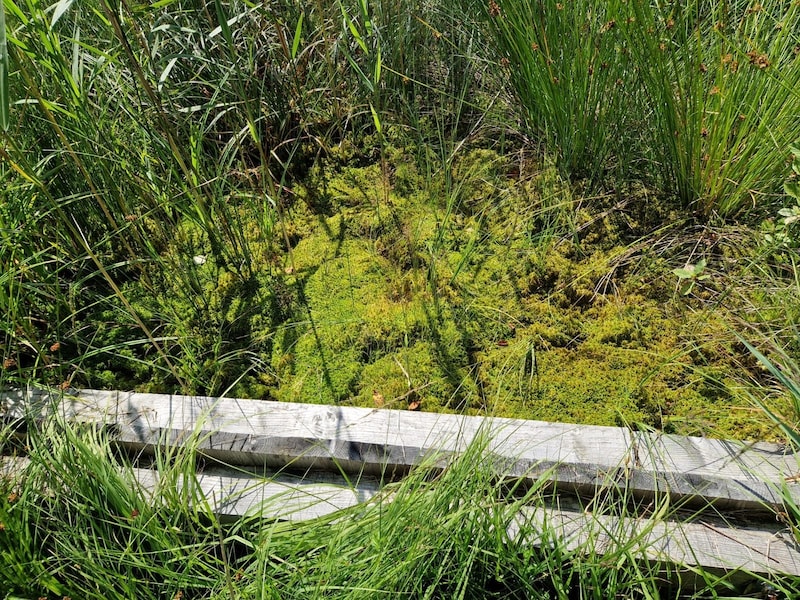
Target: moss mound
<point x="481" y="288"/>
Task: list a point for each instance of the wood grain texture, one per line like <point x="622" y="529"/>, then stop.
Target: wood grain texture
<point x="354" y="440"/>
<point x="236" y="493"/>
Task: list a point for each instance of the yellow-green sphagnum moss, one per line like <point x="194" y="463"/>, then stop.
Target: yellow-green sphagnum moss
<point x="468" y="290"/>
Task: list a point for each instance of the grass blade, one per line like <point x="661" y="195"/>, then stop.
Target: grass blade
<point x="298" y="33"/>
<point x="59" y="11"/>
<point x="5" y="96"/>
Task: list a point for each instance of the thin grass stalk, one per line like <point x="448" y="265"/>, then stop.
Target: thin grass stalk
<point x="5" y="94"/>
<point x="788" y="376"/>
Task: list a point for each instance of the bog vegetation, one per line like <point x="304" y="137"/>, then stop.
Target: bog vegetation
<point x="571" y="211"/>
<point x="532" y="209"/>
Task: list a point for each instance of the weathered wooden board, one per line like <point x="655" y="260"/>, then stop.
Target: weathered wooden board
<point x="708" y="542"/>
<point x="235" y="493"/>
<point x="357" y="440"/>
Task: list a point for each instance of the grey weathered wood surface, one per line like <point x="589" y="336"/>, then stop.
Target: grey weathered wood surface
<point x="357" y="440"/>
<point x="325" y="442"/>
<point x="707" y="542"/>
<point x="234" y="494"/>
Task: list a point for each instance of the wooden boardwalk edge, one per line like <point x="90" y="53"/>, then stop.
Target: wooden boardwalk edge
<point x="263" y="433"/>
<point x="325" y="442"/>
<point x="235" y="493"/>
<point x="708" y="542"/>
<point x="735" y="475"/>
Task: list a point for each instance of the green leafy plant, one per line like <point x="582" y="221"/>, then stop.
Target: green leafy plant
<point x="690" y="274"/>
<point x="785" y="233"/>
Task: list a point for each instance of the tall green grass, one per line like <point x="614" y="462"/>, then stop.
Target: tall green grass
<point x="784" y="410"/>
<point x="572" y="76"/>
<point x="700" y="96"/>
<point x="75" y="523"/>
<point x="786" y="373"/>
<point x="146" y="141"/>
<point x="147" y="138"/>
<point x="149" y="154"/>
<point x="134" y="136"/>
<point x="721" y="81"/>
<point x="5" y="96"/>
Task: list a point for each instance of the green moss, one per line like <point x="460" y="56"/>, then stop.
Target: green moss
<point x="465" y="289"/>
<point x="636" y="323"/>
<point x="358" y="309"/>
<point x="561" y="385"/>
<point x="484" y="315"/>
<point x="414" y="374"/>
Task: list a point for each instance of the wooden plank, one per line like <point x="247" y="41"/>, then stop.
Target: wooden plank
<point x="708" y="542"/>
<point x="235" y="493"/>
<point x="715" y="468"/>
<point x="356" y="440"/>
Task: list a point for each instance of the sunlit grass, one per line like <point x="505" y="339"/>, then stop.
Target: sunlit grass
<point x="573" y="79"/>
<point x="721" y="86"/>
